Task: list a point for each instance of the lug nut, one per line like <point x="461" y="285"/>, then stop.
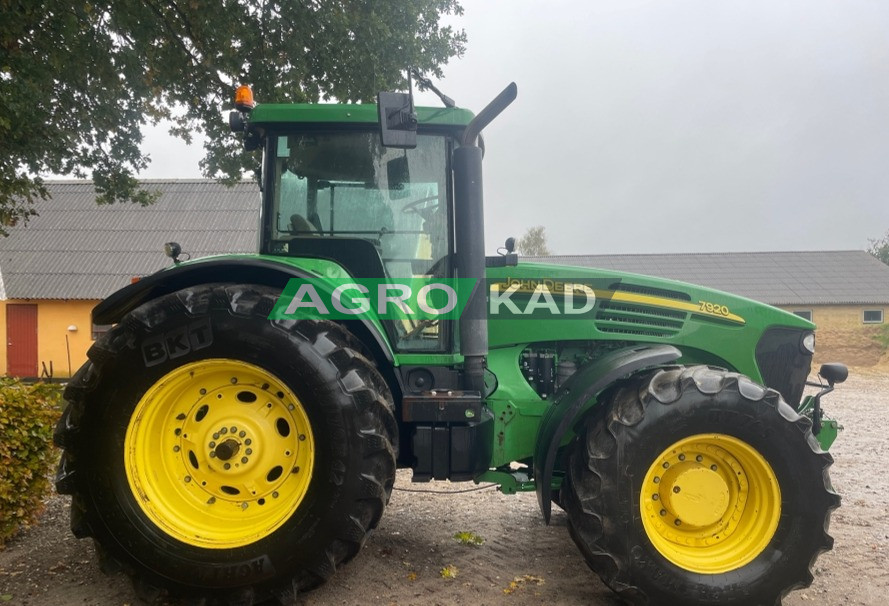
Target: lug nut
<point x="275" y="494"/>
<point x="234" y="429"/>
<point x="682" y="457"/>
<point x="656" y="480"/>
<point x="212" y="444"/>
<point x="212" y="454"/>
<point x="224" y="430"/>
<point x="249" y="451"/>
<point x="678" y="522"/>
<point x="676" y="490"/>
<point x="228" y="465"/>
<point x="243" y="459"/>
<point x="663" y="512"/>
<point x="713" y="467"/>
<point x="666" y="465"/>
<point x="211" y="500"/>
<point x="244" y="505"/>
<point x="248" y="441"/>
<point x="187" y="479"/>
<point x="302" y="437"/>
<point x="243" y="433"/>
<point x="234" y="380"/>
<point x="203" y="391"/>
<point x="655" y="497"/>
<point x="699" y="458"/>
<point x="216" y="436"/>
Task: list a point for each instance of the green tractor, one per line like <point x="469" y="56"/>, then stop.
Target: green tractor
<point x="219" y="448"/>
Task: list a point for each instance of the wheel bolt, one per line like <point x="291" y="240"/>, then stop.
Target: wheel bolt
<point x="228" y="465"/>
<point x="666" y="465"/>
<point x="676" y="490"/>
<point x="656" y="480"/>
<point x="243" y="459"/>
<point x="713" y="467"/>
<point x="234" y="380"/>
<point x="234" y="429"/>
<point x="655" y="497"/>
<point x="224" y="430"/>
<point x="243" y="433"/>
<point x="699" y="458"/>
<point x="663" y="512"/>
<point x="187" y="479"/>
<point x="302" y="437"/>
<point x="275" y="494"/>
<point x="244" y="505"/>
<point x="175" y="449"/>
<point x="678" y="522"/>
<point x="212" y="454"/>
<point x="177" y="431"/>
<point x="203" y="391"/>
<point x="291" y="407"/>
<point x="248" y="441"/>
<point x="212" y="444"/>
<point x="249" y="451"/>
<point x="216" y="436"/>
<point x="211" y="500"/>
<point x="682" y="457"/>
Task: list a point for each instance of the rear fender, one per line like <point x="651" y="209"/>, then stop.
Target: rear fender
<point x="576" y="397"/>
<point x="262" y="272"/>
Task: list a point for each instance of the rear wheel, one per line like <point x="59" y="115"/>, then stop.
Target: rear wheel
<point x="696" y="486"/>
<point x="213" y="453"/>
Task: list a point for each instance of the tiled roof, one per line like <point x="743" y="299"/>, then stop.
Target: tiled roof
<point x="851" y="277"/>
<point x="76" y="249"/>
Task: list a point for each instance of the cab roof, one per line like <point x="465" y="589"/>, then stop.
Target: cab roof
<point x="351" y="113"/>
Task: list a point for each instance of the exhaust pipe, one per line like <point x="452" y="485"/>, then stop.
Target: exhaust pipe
<point x="470" y="240"/>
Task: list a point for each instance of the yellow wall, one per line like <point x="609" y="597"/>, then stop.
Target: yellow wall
<point x="842" y="335"/>
<point x="53" y="320"/>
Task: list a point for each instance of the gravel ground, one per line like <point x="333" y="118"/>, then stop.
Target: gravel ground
<point x="522" y="561"/>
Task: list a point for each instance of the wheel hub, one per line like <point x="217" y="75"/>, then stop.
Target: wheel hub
<point x="235" y="458"/>
<point x="710" y="503"/>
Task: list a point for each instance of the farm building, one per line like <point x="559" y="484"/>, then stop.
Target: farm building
<point x="55" y="268"/>
<point x="845" y="292"/>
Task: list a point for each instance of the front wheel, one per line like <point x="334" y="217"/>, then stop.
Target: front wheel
<point x="696" y="486"/>
<point x="215" y="454"/>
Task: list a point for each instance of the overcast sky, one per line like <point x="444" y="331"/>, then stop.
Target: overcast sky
<point x="669" y="126"/>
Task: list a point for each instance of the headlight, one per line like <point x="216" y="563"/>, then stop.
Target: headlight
<point x="808" y="343"/>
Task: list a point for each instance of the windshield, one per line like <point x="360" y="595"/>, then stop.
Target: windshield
<point x="346" y="185"/>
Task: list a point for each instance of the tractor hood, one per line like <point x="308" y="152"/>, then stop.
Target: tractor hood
<point x="707" y="325"/>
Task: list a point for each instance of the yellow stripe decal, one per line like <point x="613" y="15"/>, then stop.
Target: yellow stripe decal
<point x="701" y="308"/>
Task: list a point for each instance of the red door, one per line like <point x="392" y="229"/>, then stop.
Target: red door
<point x="21" y="340"/>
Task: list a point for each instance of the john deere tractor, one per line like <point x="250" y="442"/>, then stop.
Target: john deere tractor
<point x="234" y="437"/>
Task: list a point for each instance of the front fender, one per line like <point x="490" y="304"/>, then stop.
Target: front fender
<point x="232" y="270"/>
<point x="577" y="396"/>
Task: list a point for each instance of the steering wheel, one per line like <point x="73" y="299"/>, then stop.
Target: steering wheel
<point x="413" y="207"/>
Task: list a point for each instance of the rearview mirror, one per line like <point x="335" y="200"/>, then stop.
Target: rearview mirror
<point x="398" y="120"/>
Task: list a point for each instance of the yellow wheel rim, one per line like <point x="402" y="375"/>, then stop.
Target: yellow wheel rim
<point x="219" y="453"/>
<point x="710" y="503"/>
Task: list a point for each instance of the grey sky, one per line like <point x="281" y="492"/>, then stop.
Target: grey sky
<point x="670" y="126"/>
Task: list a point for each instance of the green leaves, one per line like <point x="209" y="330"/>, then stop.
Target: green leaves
<point x="28" y="414"/>
<point x="79" y="79"/>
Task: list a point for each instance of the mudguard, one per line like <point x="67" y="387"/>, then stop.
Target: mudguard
<point x="576" y="396"/>
<point x="231" y="270"/>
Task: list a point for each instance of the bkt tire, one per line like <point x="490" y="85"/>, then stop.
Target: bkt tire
<point x="217" y="455"/>
<point x="696" y="486"/>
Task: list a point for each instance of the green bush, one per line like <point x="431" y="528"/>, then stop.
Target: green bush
<point x="28" y="414"/>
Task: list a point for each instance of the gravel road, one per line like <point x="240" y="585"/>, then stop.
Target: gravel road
<point x="522" y="561"/>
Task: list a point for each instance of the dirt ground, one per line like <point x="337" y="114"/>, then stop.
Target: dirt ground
<point x="522" y="561"/>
